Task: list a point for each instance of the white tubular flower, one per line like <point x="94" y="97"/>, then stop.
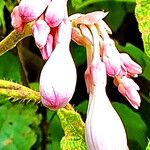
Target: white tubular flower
<point x="104" y="129"/>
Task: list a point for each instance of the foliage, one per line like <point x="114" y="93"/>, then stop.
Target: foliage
<point x="142" y="13"/>
<point x="74" y="130"/>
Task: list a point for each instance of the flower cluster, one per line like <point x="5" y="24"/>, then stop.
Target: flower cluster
<point x="104" y="129"/>
<point x="52" y="33"/>
<point x="44" y="14"/>
<point x="92" y="32"/>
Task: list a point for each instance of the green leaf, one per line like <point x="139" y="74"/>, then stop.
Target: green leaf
<point x="115" y="18"/>
<point x="54" y="125"/>
<point x="17" y="126"/>
<point x="74" y="129"/>
<point x="10" y="67"/>
<point x="19" y="123"/>
<point x="79" y="54"/>
<point x="142" y="14"/>
<point x="136" y="129"/>
<point x="139" y="56"/>
<point x="82" y="107"/>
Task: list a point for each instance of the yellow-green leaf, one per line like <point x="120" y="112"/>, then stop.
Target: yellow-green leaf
<point x="142" y="12"/>
<point x="74" y="129"/>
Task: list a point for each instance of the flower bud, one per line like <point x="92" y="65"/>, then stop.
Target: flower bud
<point x="16" y="20"/>
<point x="103" y="129"/>
<point x="128" y="88"/>
<point x="56" y="12"/>
<point x="40" y="31"/>
<point x="58" y="76"/>
<point x="31" y="10"/>
<point x="133" y="69"/>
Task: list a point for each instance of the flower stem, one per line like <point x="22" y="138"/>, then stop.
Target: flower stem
<point x="13" y="38"/>
<point x="17" y="92"/>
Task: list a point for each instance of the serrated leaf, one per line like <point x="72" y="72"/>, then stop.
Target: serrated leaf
<point x="17" y="126"/>
<point x="136" y="129"/>
<point x="142" y="14"/>
<point x="74" y="129"/>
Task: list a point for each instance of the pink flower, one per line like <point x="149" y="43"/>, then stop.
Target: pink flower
<point x="128" y="88"/>
<point x="58" y="76"/>
<point x="111" y="58"/>
<point x="103" y="129"/>
<point x="30" y="11"/>
<point x="56" y="12"/>
<point x="133" y="69"/>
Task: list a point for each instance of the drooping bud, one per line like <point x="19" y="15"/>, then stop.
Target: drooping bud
<point x="128" y="88"/>
<point x="56" y="12"/>
<point x="133" y="69"/>
<point x="58" y="76"/>
<point x="104" y="129"/>
<point x="31" y="10"/>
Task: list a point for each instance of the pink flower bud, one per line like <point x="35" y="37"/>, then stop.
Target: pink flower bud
<point x="111" y="58"/>
<point x="16" y="20"/>
<point x="128" y="88"/>
<point x="56" y="12"/>
<point x="31" y="10"/>
<point x="103" y="129"/>
<point x="40" y="32"/>
<point x="58" y="76"/>
<point x="133" y="68"/>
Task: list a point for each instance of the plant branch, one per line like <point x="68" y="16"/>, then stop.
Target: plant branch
<point x="17" y="92"/>
<point x="13" y="38"/>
